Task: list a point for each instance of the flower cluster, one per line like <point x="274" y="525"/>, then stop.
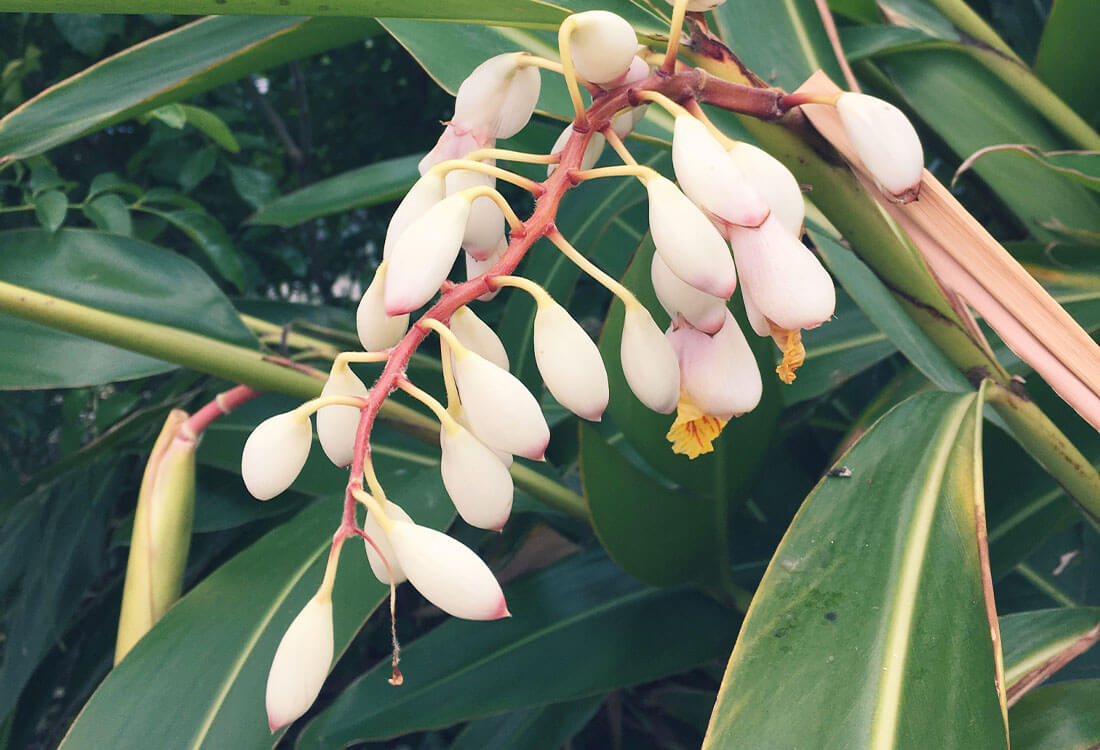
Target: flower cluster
<point x="733" y="211"/>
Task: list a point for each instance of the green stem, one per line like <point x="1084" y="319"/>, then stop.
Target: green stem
<point x="963" y="17"/>
<point x="550" y="492"/>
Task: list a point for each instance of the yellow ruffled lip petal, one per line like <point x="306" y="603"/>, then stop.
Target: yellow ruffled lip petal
<point x="794" y="354"/>
<point x="693" y="433"/>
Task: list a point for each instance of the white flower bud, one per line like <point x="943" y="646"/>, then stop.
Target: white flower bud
<point x="709" y="177"/>
<point x="448" y="573"/>
<point x="275" y="453"/>
<point x="378" y="331"/>
<point x="649" y="362"/>
<point x="703" y="311"/>
<point x="478" y="483"/>
<point x="759" y="323"/>
<point x="624" y="122"/>
<point x="638" y="71"/>
<point x="786" y="282"/>
<point x="425" y="193"/>
<point x="301" y="663"/>
<point x="373" y="529"/>
<point x="460" y="416"/>
<point x="337" y="424"/>
<point x="485" y="226"/>
<point x="602" y="45"/>
<point x="452" y="145"/>
<point x="475" y="267"/>
<point x="885" y="141"/>
<point x="501" y="411"/>
<point x="496" y="100"/>
<point x="718" y="373"/>
<point x="774" y="182"/>
<point x="423" y="255"/>
<point x="569" y="362"/>
<point x="700" y="6"/>
<point x="688" y="243"/>
<point x="592" y="151"/>
<point x="478" y="337"/>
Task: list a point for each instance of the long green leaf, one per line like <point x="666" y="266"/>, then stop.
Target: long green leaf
<point x="1031" y="638"/>
<point x="197" y="679"/>
<point x="1062" y="717"/>
<point x="579" y="628"/>
<point x="1068" y="44"/>
<point x="173" y="66"/>
<point x="870" y="614"/>
<point x="543" y="728"/>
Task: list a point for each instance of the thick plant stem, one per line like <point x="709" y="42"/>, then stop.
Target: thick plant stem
<point x="963" y="17"/>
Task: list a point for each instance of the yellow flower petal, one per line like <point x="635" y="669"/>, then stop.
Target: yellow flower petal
<point x="693" y="432"/>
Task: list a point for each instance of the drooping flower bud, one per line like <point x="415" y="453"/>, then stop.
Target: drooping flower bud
<point x="478" y="337"/>
<point x="496" y="100"/>
<point x="301" y="663"/>
<point x="501" y="411"/>
<point x="885" y="141"/>
<point x="452" y="145"/>
<point x="718" y="373"/>
<point x="373" y="529"/>
<point x="688" y="243"/>
<point x="624" y="122"/>
<point x="703" y="311"/>
<point x="592" y="151"/>
<point x="378" y="331"/>
<point x="460" y="416"/>
<point x="275" y="453"/>
<point x="786" y="282"/>
<point x="569" y="362"/>
<point x="336" y="423"/>
<point x="475" y="267"/>
<point x="774" y="182"/>
<point x="709" y="177"/>
<point x="485" y="227"/>
<point x="425" y="193"/>
<point x="423" y="255"/>
<point x="602" y="45"/>
<point x="478" y="483"/>
<point x="638" y="70"/>
<point x="649" y="361"/>
<point x="448" y="573"/>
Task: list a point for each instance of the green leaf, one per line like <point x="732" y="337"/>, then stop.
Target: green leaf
<point x="110" y="213"/>
<point x="1080" y="166"/>
<point x="171" y="115"/>
<point x="864" y="11"/>
<point x="255" y="186"/>
<point x="171" y="67"/>
<point x="50" y="207"/>
<point x="1068" y="44"/>
<point x="111" y="182"/>
<point x="542" y="728"/>
<point x="208" y="658"/>
<point x="130" y="278"/>
<point x="197" y="167"/>
<point x="210" y="236"/>
<point x="212" y="125"/>
<point x="578" y="628"/>
<point x="1031" y="638"/>
<point x="870" y="612"/>
<point x="381" y="182"/>
<point x="1062" y="716"/>
<point x="86" y="32"/>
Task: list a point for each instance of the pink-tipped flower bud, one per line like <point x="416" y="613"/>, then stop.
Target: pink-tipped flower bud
<point x="301" y="663"/>
<point x="475" y="267"/>
<point x="275" y="453"/>
<point x="425" y="193"/>
<point x="709" y="177"/>
<point x="336" y="423"/>
<point x="496" y="100"/>
<point x="448" y="573"/>
<point x="592" y="151"/>
<point x="569" y="362"/>
<point x="649" y="361"/>
<point x="688" y="243"/>
<point x="786" y="282"/>
<point x="718" y="373"/>
<point x="485" y="227"/>
<point x="774" y="182"/>
<point x="423" y="255"/>
<point x="478" y="483"/>
<point x="602" y="45"/>
<point x="452" y="145"/>
<point x="478" y="337"/>
<point x="373" y="529"/>
<point x="886" y="142"/>
<point x="378" y="331"/>
<point x="703" y="311"/>
<point x="501" y="411"/>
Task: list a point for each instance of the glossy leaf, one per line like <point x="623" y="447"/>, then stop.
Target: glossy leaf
<point x="212" y="125"/>
<point x="1061" y="716"/>
<point x="1031" y="638"/>
<point x="168" y="68"/>
<point x="367" y="186"/>
<point x="541" y="728"/>
<point x="871" y="609"/>
<point x="577" y="629"/>
<point x="208" y="658"/>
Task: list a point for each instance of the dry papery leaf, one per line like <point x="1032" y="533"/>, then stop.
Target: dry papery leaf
<point x="968" y="260"/>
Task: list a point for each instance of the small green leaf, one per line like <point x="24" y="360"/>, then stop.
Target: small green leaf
<point x="86" y="32"/>
<point x="110" y="213"/>
<point x="210" y="236"/>
<point x="212" y="125"/>
<point x="44" y="177"/>
<point x="255" y="186"/>
<point x="111" y="182"/>
<point x="1058" y="717"/>
<point x="197" y="168"/>
<point x="171" y="115"/>
<point x="50" y="207"/>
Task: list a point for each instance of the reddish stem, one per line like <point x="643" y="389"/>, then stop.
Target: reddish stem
<point x="222" y="404"/>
